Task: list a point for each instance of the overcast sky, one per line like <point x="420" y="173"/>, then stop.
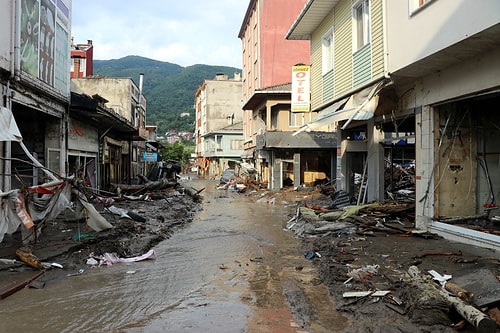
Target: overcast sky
<point x="183" y="32"/>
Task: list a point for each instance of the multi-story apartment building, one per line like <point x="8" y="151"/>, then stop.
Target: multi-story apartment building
<point x="82" y="59"/>
<point x="218" y="105"/>
<point x="34" y="58"/>
<point x="267" y="58"/>
<point x="444" y="60"/>
<point x="223" y="147"/>
<point x="347" y="72"/>
<point x="280" y="157"/>
<point x="420" y="73"/>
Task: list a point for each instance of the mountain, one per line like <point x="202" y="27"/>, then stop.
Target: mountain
<point x="169" y="88"/>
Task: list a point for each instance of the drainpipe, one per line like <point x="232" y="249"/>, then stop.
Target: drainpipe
<point x="139" y="108"/>
<point x="384" y="38"/>
<point x="15" y="65"/>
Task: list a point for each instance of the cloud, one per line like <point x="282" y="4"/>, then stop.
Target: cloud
<point x="185" y="32"/>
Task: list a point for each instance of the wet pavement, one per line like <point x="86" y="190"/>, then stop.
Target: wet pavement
<point x="232" y="263"/>
<point x="232" y="269"/>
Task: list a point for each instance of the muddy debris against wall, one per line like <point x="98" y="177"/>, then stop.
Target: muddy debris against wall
<point x="364" y="253"/>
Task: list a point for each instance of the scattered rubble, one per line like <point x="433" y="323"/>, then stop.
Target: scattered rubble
<point x="370" y="253"/>
<point x="70" y="224"/>
<point x="369" y="256"/>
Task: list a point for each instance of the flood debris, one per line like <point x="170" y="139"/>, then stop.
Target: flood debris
<point x="109" y="259"/>
<point x="474" y="316"/>
<point x="16" y="286"/>
<point x="368" y="248"/>
<point x="366" y="219"/>
<point x="79" y="272"/>
<point x="67" y="219"/>
<point x="29" y="258"/>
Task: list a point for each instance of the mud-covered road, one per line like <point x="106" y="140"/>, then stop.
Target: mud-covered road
<point x="232" y="269"/>
<point x="228" y="263"/>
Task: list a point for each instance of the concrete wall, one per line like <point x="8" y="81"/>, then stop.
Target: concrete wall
<point x="412" y="37"/>
<point x="82" y="136"/>
<point x="116" y="90"/>
<point x="223" y="99"/>
<point x="278" y="55"/>
<point x="6" y="35"/>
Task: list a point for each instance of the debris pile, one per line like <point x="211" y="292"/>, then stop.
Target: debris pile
<point x="364" y="219"/>
<point x="370" y="254"/>
<point x="67" y="220"/>
<point x="400" y="182"/>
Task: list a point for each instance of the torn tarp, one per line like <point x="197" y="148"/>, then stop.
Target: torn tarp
<point x="94" y="220"/>
<point x="24" y="207"/>
<point x="8" y="127"/>
<point x="111" y="258"/>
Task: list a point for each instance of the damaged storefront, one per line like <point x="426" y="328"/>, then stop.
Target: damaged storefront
<point x="466" y="181"/>
<point x="99" y="142"/>
<point x="306" y="159"/>
<point x="445" y="166"/>
<point x="282" y="155"/>
<point x="82" y="152"/>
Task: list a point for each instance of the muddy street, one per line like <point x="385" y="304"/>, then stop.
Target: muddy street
<point x="233" y="269"/>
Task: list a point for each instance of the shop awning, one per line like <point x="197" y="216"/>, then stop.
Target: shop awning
<point x="8" y="126"/>
<point x="358" y="106"/>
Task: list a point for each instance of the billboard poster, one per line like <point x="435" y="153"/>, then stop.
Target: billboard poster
<point x="44" y="44"/>
<point x="47" y="42"/>
<point x="301" y="98"/>
<point x="30" y="30"/>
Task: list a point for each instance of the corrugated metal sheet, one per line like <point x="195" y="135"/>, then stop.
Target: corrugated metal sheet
<point x="328" y="92"/>
<point x="362" y="66"/>
<point x="343" y="48"/>
<point x="317" y="85"/>
<point x="377" y="30"/>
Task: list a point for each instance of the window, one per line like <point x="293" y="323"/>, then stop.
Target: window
<point x="327" y="52"/>
<point x="296" y="119"/>
<point x="361" y="22"/>
<point x="236" y="144"/>
<point x="417" y="5"/>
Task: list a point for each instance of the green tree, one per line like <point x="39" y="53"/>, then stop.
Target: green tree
<point x="178" y="152"/>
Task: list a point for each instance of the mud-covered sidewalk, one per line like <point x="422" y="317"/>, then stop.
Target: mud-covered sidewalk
<point x="65" y="244"/>
<point x="378" y="270"/>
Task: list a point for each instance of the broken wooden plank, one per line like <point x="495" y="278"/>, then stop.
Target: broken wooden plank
<point x="20" y="285"/>
<point x="377" y="293"/>
<point x="149" y="186"/>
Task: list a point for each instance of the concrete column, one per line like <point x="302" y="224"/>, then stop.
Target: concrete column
<point x="424" y="173"/>
<point x="268" y="117"/>
<point x="375" y="158"/>
<point x="341" y="181"/>
<point x="296" y="169"/>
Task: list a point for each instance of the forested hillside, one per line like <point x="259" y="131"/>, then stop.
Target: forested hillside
<point x="169" y="88"/>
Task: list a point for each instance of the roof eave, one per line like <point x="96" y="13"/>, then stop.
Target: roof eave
<point x="310" y="17"/>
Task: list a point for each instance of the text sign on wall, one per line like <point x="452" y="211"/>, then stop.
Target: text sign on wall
<point x="149" y="157"/>
<point x="301" y="87"/>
